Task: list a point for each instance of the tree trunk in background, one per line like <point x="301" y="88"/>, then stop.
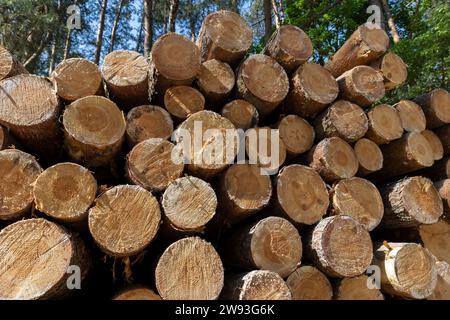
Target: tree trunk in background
<point x="267" y="20"/>
<point x="173" y="14"/>
<point x="67" y="44"/>
<point x="38" y="51"/>
<point x="115" y="24"/>
<point x="234" y="5"/>
<point x="383" y="19"/>
<point x="52" y="54"/>
<point x="276" y="12"/>
<point x="391" y="22"/>
<point x="101" y="27"/>
<point x="141" y="28"/>
<point x="148" y="26"/>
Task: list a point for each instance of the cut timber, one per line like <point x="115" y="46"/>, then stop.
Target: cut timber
<point x="442" y="289"/>
<point x="385" y="124"/>
<point x="145" y="122"/>
<point x="290" y="46"/>
<point x="215" y="80"/>
<point x="256" y="285"/>
<point x="341" y="247"/>
<point x="408" y="270"/>
<point x="272" y="243"/>
<point x="308" y="283"/>
<point x="443" y="188"/>
<point x="209" y="141"/>
<point x="436" y="238"/>
<point x="36" y="256"/>
<point x="444" y="135"/>
<point x="29" y="107"/>
<point x="359" y="199"/>
<point x="137" y="293"/>
<point x="77" y="78"/>
<point x="312" y="89"/>
<point x="435" y="143"/>
<point x="182" y="101"/>
<point x="410" y="202"/>
<point x="94" y="129"/>
<point x="174" y="61"/>
<point x="342" y="119"/>
<point x="410" y="153"/>
<point x="4" y="141"/>
<point x="296" y="133"/>
<point x="243" y="191"/>
<point x="435" y="106"/>
<point x="241" y="113"/>
<point x="189" y="203"/>
<point x="333" y="159"/>
<point x="65" y="192"/>
<point x="189" y="269"/>
<point x="9" y="65"/>
<point x="126" y="76"/>
<point x="364" y="46"/>
<point x="411" y="116"/>
<point x="124" y="220"/>
<point x="361" y="85"/>
<point x="301" y="194"/>
<point x="225" y="36"/>
<point x="262" y="82"/>
<point x="18" y="170"/>
<point x="356" y="289"/>
<point x="369" y="156"/>
<point x="439" y="171"/>
<point x="393" y="69"/>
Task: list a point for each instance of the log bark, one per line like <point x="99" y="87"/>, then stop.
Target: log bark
<point x="308" y="283"/>
<point x="361" y="85"/>
<point x="436" y="238"/>
<point x="435" y="143"/>
<point x="4" y="138"/>
<point x="411" y="115"/>
<point x="385" y="124"/>
<point x="182" y="101"/>
<point x="369" y="156"/>
<point x="9" y="65"/>
<point x="296" y="133"/>
<point x="364" y="46"/>
<point x="444" y="136"/>
<point x="189" y="269"/>
<point x="225" y="36"/>
<point x="272" y="243"/>
<point x="94" y="129"/>
<point x="242" y="114"/>
<point x="263" y="82"/>
<point x="312" y="88"/>
<point x="290" y="46"/>
<point x="145" y="122"/>
<point x="439" y="171"/>
<point x="215" y="80"/>
<point x="137" y="293"/>
<point x="124" y="220"/>
<point x="18" y="170"/>
<point x="393" y="69"/>
<point x="435" y="106"/>
<point x="342" y="119"/>
<point x="356" y="289"/>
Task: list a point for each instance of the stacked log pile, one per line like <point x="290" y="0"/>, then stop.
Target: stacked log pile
<point x="130" y="173"/>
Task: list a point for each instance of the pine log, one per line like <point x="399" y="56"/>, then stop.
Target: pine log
<point x="225" y="36"/>
<point x="444" y="135"/>
<point x="361" y="85"/>
<point x="442" y="289"/>
<point x="439" y="171"/>
<point x="393" y="69"/>
<point x="241" y="113"/>
<point x="342" y="119"/>
<point x="124" y="220"/>
<point x="296" y="133"/>
<point x="137" y="293"/>
<point x="18" y="171"/>
<point x="182" y="101"/>
<point x="385" y="124"/>
<point x="290" y="46"/>
<point x="145" y="122"/>
<point x="436" y="239"/>
<point x="356" y="289"/>
<point x="255" y="285"/>
<point x="435" y="143"/>
<point x="189" y="269"/>
<point x="94" y="129"/>
<point x="340" y="247"/>
<point x="301" y="194"/>
<point x="29" y="108"/>
<point x="272" y="243"/>
<point x="215" y="80"/>
<point x="174" y="61"/>
<point x="65" y="192"/>
<point x="359" y="199"/>
<point x="369" y="156"/>
<point x="333" y="159"/>
<point x="312" y="88"/>
<point x="308" y="283"/>
<point x="407" y="270"/>
<point x="9" y="65"/>
<point x="410" y="202"/>
<point x="126" y="76"/>
<point x="443" y="187"/>
<point x="4" y="138"/>
<point x="435" y="106"/>
<point x="28" y="269"/>
<point x="411" y="116"/>
<point x="77" y="78"/>
<point x="262" y="82"/>
<point x="364" y="46"/>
